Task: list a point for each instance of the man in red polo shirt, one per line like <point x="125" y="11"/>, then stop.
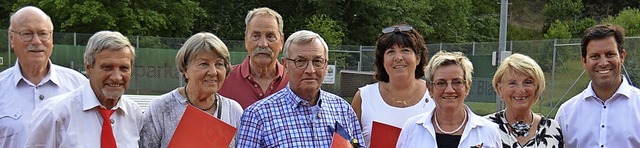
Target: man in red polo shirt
<point x="260" y="74"/>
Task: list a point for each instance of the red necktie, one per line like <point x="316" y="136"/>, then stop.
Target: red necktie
<point x="106" y="139"/>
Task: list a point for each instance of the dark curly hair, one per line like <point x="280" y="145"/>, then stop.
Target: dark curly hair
<point x="411" y="39"/>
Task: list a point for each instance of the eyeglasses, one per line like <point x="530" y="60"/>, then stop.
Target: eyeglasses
<point x="28" y="35"/>
<point x="456" y="84"/>
<point x="401" y="28"/>
<point x="302" y="63"/>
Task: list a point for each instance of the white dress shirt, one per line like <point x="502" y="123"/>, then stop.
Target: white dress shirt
<point x="587" y="122"/>
<point x="418" y="131"/>
<point x="19" y="97"/>
<point x="73" y="120"/>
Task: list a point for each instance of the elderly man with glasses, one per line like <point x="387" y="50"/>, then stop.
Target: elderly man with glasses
<point x="33" y="78"/>
<point x="301" y="114"/>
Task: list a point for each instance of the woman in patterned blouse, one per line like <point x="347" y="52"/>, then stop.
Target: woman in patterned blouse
<point x="519" y="81"/>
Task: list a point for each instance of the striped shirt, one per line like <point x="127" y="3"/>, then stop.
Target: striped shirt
<point x="286" y="120"/>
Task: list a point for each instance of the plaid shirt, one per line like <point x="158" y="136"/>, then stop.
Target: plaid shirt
<point x="286" y="120"/>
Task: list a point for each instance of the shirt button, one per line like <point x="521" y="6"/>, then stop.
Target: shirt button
<point x="601" y="145"/>
<point x="260" y="94"/>
<point x="255" y="85"/>
<point x="41" y="96"/>
<point x="112" y="121"/>
<point x="602" y="126"/>
<point x="605" y="107"/>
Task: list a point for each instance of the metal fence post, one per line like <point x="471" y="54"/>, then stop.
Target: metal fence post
<point x="473" y="48"/>
<point x="553" y="72"/>
<point x="137" y="41"/>
<point x="360" y="60"/>
<point x="74" y="39"/>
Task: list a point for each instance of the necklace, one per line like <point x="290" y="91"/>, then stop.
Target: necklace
<point x="520" y="128"/>
<point x="402" y="101"/>
<point x="435" y="115"/>
<point x="186" y="94"/>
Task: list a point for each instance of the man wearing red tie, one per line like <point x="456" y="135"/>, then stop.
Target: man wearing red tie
<point x="96" y="114"/>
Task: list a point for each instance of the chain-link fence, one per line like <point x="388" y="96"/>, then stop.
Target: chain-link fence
<point x="155" y="73"/>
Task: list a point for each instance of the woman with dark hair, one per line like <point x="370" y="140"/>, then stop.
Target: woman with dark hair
<point x="400" y="58"/>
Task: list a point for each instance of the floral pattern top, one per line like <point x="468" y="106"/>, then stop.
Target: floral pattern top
<point x="548" y="134"/>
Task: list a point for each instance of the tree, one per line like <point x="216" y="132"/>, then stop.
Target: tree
<point x="627" y="18"/>
<point x="484" y="22"/>
<point x="161" y="18"/>
<point x="331" y="33"/>
<point x="450" y="20"/>
<point x="561" y="10"/>
<point x="558" y="30"/>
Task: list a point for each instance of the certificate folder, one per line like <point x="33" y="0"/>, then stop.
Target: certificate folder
<point x="200" y="129"/>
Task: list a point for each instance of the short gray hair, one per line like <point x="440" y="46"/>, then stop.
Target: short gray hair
<point x="263" y="11"/>
<point x="203" y="41"/>
<point x="444" y="58"/>
<point x="304" y="37"/>
<point x="105" y="40"/>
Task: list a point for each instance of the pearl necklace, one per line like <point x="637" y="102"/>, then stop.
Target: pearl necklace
<point x="435" y="115"/>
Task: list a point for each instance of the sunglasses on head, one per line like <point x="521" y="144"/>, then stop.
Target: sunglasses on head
<point x="401" y="28"/>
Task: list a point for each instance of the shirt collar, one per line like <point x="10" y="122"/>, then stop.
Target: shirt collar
<point x="90" y="101"/>
<point x="623" y="90"/>
<point x="51" y="75"/>
<point x="245" y="69"/>
<point x="296" y="101"/>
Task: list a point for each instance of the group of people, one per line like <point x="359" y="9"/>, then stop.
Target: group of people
<point x="279" y="102"/>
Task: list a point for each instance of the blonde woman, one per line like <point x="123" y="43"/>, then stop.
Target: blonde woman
<point x="451" y="123"/>
<point x="519" y="81"/>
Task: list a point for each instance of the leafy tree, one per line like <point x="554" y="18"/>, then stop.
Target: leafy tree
<point x="484" y="22"/>
<point x="331" y="33"/>
<point x="561" y="10"/>
<point x="163" y="18"/>
<point x="450" y="20"/>
<point x="601" y="9"/>
<point x="577" y="28"/>
<point x="627" y="18"/>
<point x="558" y="30"/>
<point x="326" y="27"/>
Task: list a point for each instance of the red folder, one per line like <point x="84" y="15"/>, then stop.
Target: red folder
<point x="199" y="129"/>
<point x="340" y="142"/>
<point x="384" y="135"/>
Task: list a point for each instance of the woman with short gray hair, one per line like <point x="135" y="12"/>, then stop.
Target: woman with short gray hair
<point x="204" y="63"/>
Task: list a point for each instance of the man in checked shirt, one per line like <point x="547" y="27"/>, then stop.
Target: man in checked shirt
<point x="301" y="114"/>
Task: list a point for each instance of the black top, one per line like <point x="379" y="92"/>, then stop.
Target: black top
<point x="446" y="140"/>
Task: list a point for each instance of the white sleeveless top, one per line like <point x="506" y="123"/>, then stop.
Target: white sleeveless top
<point x="375" y="109"/>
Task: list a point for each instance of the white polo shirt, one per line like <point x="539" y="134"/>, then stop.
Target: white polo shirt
<point x="587" y="122"/>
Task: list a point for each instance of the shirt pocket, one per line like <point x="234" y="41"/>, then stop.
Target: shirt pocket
<point x="9" y="123"/>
